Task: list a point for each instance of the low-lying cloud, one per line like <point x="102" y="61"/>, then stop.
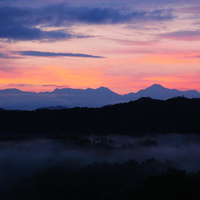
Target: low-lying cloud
<point x="53" y="54"/>
<point x="23" y="158"/>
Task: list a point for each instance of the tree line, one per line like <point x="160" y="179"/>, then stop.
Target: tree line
<point x="145" y="115"/>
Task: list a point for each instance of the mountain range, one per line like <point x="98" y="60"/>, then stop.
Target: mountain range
<point x="14" y="99"/>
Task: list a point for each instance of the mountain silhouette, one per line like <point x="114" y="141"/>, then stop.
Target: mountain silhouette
<point x="90" y="92"/>
<point x="157" y="91"/>
<point x="160" y="92"/>
<point x="16" y="99"/>
<point x="11" y="91"/>
<point x="59" y="107"/>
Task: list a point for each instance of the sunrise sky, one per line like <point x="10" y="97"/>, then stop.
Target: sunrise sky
<point x="125" y="45"/>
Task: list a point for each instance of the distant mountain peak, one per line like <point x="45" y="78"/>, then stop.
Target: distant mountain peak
<point x="11" y="91"/>
<point x="156" y="86"/>
<point x="107" y="91"/>
<point x="104" y="89"/>
<point x="100" y="88"/>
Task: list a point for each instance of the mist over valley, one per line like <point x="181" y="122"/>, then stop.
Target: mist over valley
<point x="25" y="161"/>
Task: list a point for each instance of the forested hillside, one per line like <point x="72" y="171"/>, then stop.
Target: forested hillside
<point x="144" y="115"/>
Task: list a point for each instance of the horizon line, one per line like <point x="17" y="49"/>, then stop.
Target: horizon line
<point x="67" y="87"/>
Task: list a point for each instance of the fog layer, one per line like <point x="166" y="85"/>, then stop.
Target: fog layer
<point x="20" y="156"/>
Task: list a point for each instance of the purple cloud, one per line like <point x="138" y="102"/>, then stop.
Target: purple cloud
<point x="182" y="35"/>
<point x="19" y="85"/>
<point x="57" y="86"/>
<point x="192" y="10"/>
<point x="135" y="43"/>
<point x="2" y="55"/>
<point x="19" y="24"/>
<point x="52" y="54"/>
<point x="22" y="23"/>
<point x="33" y="85"/>
<point x="62" y="14"/>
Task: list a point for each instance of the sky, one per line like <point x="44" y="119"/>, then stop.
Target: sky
<point x="125" y="45"/>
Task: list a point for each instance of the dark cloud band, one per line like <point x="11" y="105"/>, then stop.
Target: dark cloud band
<point x="24" y="23"/>
<point x="52" y="54"/>
<point x="63" y="14"/>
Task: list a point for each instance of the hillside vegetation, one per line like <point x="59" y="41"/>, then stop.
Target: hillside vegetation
<point x="144" y="115"/>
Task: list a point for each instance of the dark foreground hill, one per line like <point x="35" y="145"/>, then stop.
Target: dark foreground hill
<point x="144" y="115"/>
<point x="108" y="181"/>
